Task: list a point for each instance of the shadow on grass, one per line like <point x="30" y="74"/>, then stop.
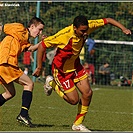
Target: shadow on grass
<point x="101" y="131"/>
<point x="66" y="127"/>
<point x="36" y="125"/>
<point x="43" y="125"/>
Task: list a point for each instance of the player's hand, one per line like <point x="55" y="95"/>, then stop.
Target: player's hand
<point x="37" y="72"/>
<point x="43" y="37"/>
<point x="127" y="31"/>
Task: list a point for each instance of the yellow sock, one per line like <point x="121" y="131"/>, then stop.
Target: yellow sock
<point x="56" y="88"/>
<point x="82" y="110"/>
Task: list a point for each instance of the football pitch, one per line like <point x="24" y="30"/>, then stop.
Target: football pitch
<point x="111" y="109"/>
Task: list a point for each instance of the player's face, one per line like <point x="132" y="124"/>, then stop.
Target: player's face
<point x="81" y="31"/>
<point x="36" y="30"/>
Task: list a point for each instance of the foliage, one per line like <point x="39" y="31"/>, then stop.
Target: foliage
<point x="57" y="15"/>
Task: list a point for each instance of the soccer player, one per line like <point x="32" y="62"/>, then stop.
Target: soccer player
<point x="68" y="73"/>
<point x="15" y="42"/>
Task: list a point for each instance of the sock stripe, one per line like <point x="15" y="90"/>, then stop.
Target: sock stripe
<point x="25" y="108"/>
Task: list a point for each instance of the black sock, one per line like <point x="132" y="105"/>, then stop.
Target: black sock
<point x="26" y="102"/>
<point x="2" y="100"/>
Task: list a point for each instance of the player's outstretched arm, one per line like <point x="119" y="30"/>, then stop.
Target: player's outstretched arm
<point x="40" y="53"/>
<point x="33" y="47"/>
<point x="119" y="25"/>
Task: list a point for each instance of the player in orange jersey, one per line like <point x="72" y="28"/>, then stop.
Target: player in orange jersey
<point x="68" y="73"/>
<point x="15" y="42"/>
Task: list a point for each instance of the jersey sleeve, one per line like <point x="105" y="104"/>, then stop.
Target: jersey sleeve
<point x="105" y="21"/>
<point x="95" y="24"/>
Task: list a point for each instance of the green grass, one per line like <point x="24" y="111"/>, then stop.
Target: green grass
<point x="110" y="110"/>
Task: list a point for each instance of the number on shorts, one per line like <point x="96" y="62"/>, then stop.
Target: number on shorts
<point x="67" y="84"/>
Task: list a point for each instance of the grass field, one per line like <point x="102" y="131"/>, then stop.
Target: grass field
<point x="110" y="110"/>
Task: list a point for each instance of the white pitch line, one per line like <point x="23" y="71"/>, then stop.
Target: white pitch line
<point x="123" y="113"/>
<point x="57" y="108"/>
<point x="95" y="89"/>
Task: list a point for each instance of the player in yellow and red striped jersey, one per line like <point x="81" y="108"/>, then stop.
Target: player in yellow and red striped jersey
<point x="68" y="73"/>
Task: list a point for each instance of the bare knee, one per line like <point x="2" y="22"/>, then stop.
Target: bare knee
<point x="72" y="97"/>
<point x="11" y="95"/>
<point x="8" y="95"/>
<point x="73" y="101"/>
<point x="88" y="93"/>
<point x="29" y="86"/>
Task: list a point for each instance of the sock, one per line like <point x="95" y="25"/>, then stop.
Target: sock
<point x="82" y="110"/>
<point x="56" y="88"/>
<point x="26" y="102"/>
<point x="2" y="100"/>
<point x="26" y="72"/>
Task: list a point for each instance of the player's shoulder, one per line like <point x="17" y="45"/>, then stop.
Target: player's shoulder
<point x="14" y="24"/>
<point x="65" y="32"/>
<point x="10" y="26"/>
<point x="62" y="34"/>
<point x="16" y="30"/>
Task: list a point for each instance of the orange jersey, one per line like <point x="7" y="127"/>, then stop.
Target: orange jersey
<point x="11" y="46"/>
<point x="14" y="43"/>
<point x="69" y="45"/>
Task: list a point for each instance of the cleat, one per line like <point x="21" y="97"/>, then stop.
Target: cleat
<point x="25" y="120"/>
<point x="80" y="128"/>
<point x="47" y="87"/>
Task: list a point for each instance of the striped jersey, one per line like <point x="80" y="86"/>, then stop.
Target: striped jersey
<point x="69" y="45"/>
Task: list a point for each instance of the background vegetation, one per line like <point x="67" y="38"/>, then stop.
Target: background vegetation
<point x="57" y="15"/>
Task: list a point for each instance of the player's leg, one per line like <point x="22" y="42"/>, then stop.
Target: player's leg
<point x="83" y="85"/>
<point x="28" y="85"/>
<point x="6" y="80"/>
<point x="83" y="105"/>
<point x="51" y="84"/>
<point x="8" y="94"/>
<point x="71" y="96"/>
<point x="86" y="96"/>
<point x="63" y="85"/>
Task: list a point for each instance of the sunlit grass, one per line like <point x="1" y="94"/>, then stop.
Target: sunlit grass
<point x="110" y="110"/>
